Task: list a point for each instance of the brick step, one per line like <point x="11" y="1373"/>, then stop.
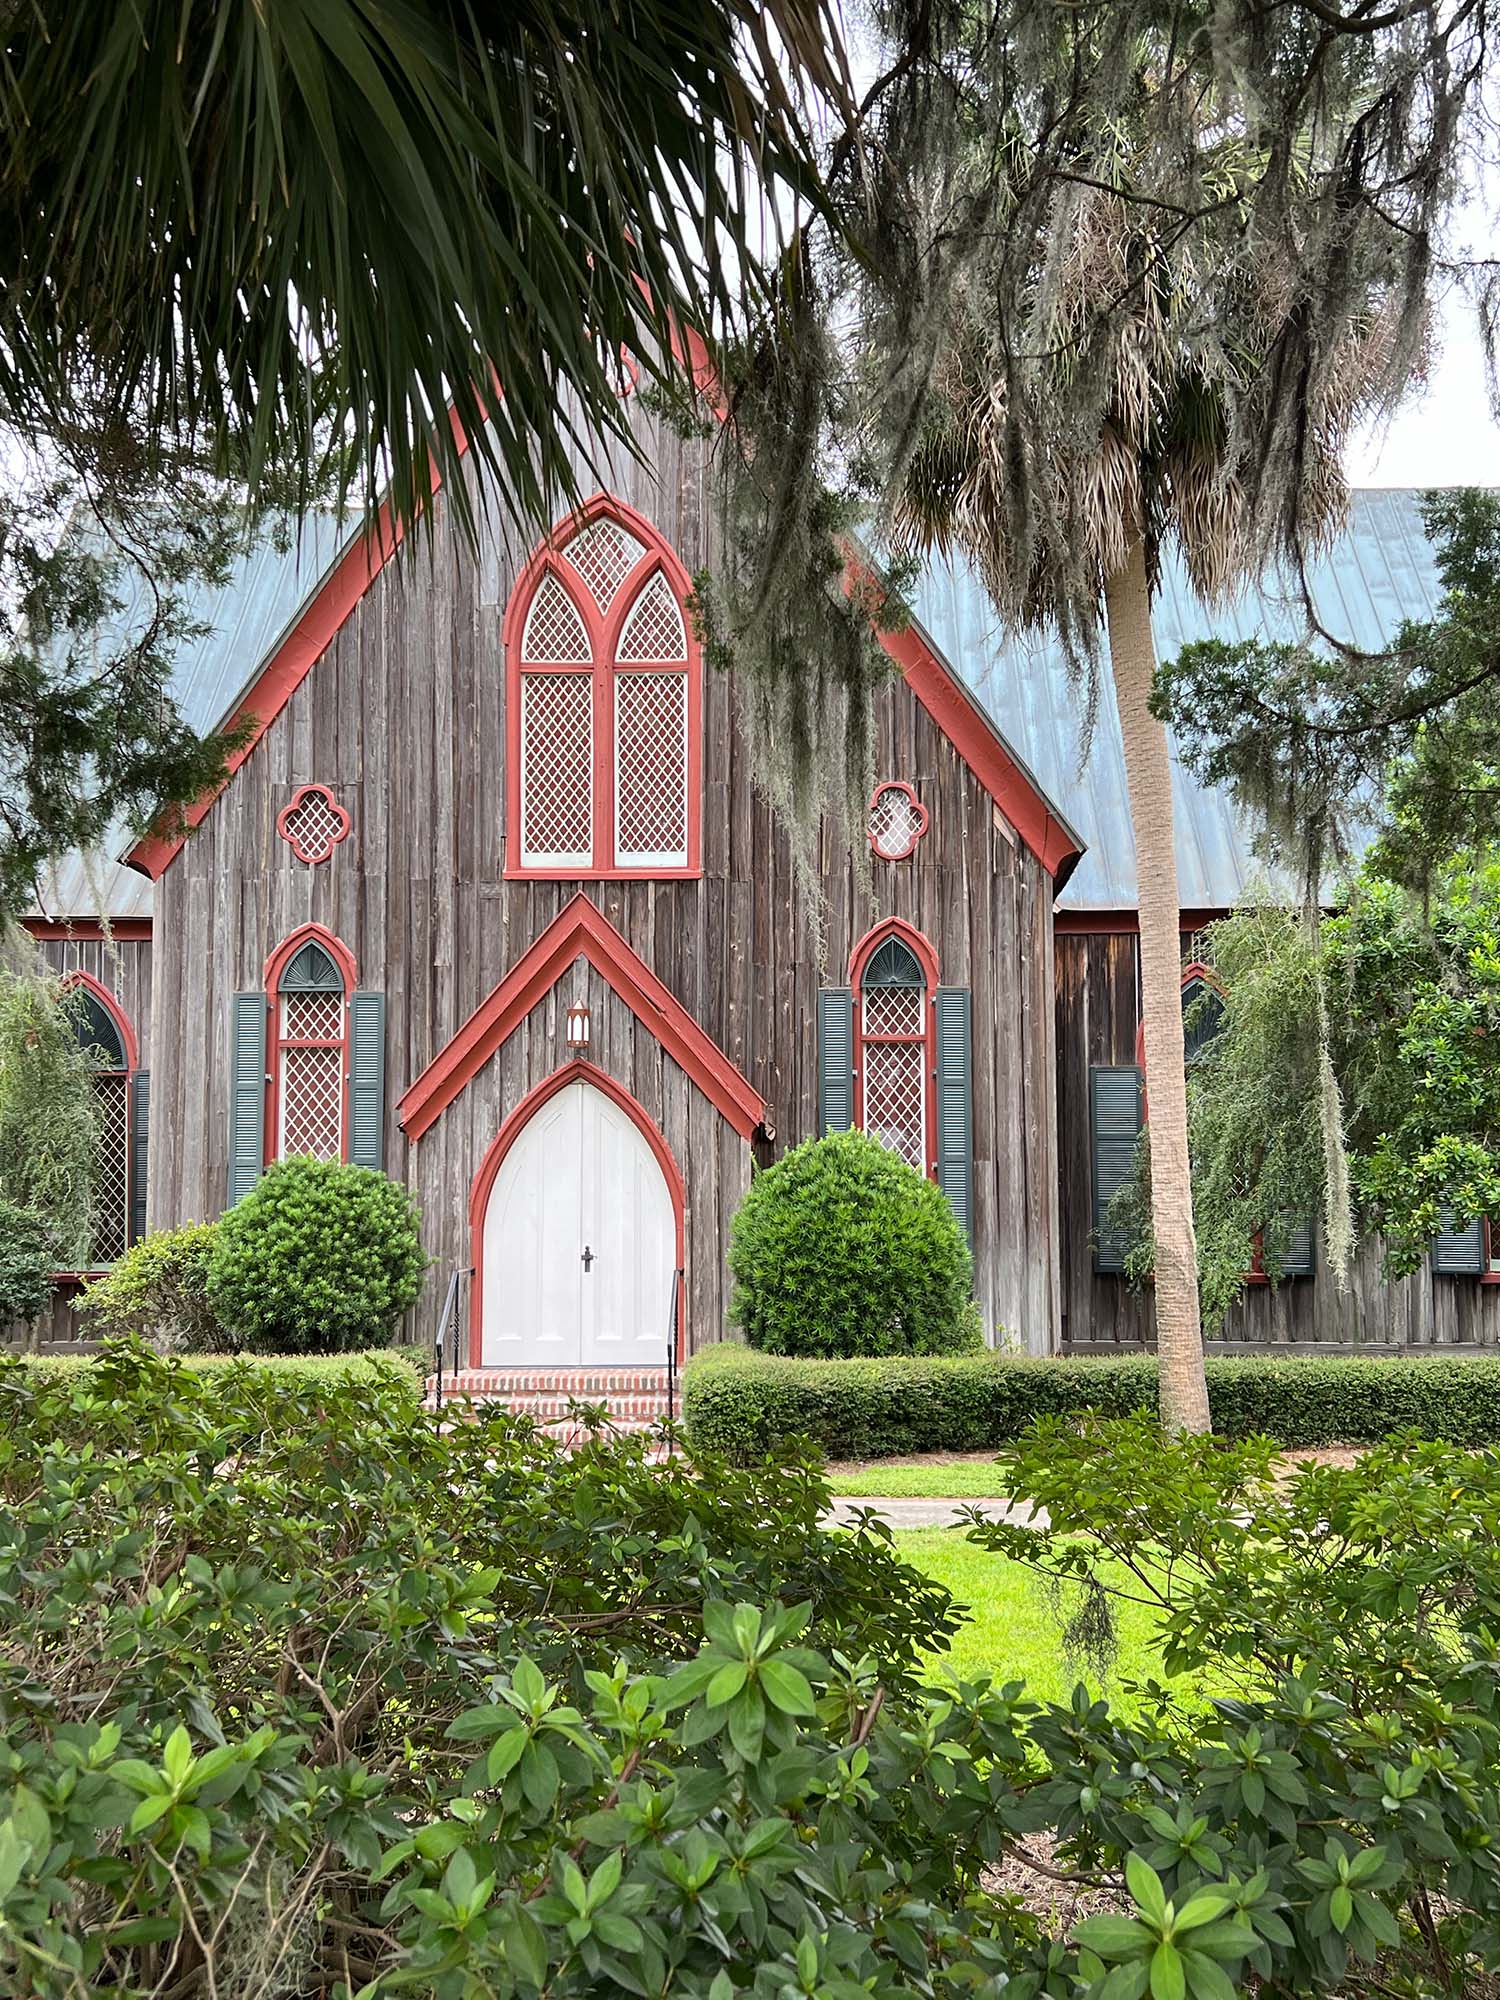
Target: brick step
<point x="587" y="1384"/>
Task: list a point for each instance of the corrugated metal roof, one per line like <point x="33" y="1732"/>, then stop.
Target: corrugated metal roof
<point x="1379" y="572"/>
<point x="246" y="621"/>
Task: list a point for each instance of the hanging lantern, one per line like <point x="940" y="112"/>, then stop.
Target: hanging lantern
<point x="578" y="1028"/>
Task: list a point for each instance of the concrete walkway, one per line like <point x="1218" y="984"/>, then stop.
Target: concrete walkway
<point x="933" y="1513"/>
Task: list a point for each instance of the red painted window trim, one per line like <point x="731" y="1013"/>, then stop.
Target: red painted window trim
<point x="283" y="819"/>
<point x="926" y="957"/>
<point x="580" y="1070"/>
<point x="1489" y="1275"/>
<point x="115" y="1012"/>
<point x="131" y="1051"/>
<point x="277" y="1044"/>
<point x="604" y="630"/>
<point x="580" y="929"/>
<point x="922" y="820"/>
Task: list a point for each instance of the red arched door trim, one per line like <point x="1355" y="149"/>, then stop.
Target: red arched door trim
<point x="579" y="1070"/>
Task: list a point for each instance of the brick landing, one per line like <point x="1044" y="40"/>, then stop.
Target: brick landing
<point x="636" y="1397"/>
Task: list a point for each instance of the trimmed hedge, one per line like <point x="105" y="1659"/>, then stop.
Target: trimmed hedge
<point x="305" y="1367"/>
<point x="742" y="1404"/>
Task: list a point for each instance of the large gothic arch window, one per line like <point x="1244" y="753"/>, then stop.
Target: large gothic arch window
<point x="603" y="705"/>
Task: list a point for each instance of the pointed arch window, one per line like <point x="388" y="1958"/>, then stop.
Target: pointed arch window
<point x="105" y="1034"/>
<point x="893" y="1048"/>
<point x="603" y="705"/>
<point x="309" y="1002"/>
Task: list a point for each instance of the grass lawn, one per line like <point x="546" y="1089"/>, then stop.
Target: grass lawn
<point x="967" y="1478"/>
<point x="1014" y="1633"/>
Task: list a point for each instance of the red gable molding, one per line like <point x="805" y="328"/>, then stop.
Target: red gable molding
<point x="580" y="930"/>
<point x="279" y="677"/>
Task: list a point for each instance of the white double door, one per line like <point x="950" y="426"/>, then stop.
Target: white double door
<point x="580" y="1242"/>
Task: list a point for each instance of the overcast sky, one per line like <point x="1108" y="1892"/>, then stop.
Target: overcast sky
<point x="1443" y="434"/>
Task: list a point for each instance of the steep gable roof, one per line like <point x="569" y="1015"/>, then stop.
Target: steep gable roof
<point x="1380" y="571"/>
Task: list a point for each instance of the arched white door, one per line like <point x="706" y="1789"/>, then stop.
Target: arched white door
<point x="580" y="1242"/>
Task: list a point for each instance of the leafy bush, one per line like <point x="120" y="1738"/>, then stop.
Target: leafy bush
<point x="318" y="1257"/>
<point x="159" y="1291"/>
<point x="28" y="1259"/>
<point x="744" y="1404"/>
<point x="360" y="1366"/>
<point x="842" y="1248"/>
<point x="49" y="1111"/>
<point x="305" y="1691"/>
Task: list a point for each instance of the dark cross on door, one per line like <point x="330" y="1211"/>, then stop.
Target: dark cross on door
<point x="588" y="1258"/>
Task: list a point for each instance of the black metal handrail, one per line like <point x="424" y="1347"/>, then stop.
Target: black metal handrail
<point x="673" y="1322"/>
<point x="446" y="1319"/>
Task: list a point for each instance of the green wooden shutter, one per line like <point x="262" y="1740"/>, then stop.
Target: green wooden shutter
<point x="140" y="1135"/>
<point x="835" y="1059"/>
<point x="1114" y="1126"/>
<point x="247" y="1093"/>
<point x="955" y="1101"/>
<point x="1299" y="1259"/>
<point x="367" y="1080"/>
<point x="1459" y="1253"/>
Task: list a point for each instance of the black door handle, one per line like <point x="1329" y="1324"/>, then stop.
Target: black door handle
<point x="588" y="1257"/>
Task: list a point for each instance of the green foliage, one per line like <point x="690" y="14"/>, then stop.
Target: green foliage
<point x="49" y="1114"/>
<point x="304" y="1690"/>
<point x="28" y="1258"/>
<point x="1366" y="1044"/>
<point x="744" y="1404"/>
<point x="842" y="1248"/>
<point x="316" y="1258"/>
<point x="159" y="1291"/>
<point x="103" y="572"/>
<point x="1307" y="735"/>
<point x="371" y="1364"/>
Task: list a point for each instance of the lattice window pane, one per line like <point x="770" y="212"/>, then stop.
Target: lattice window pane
<point x="894" y="1010"/>
<point x="603" y="555"/>
<point x="557" y="769"/>
<point x="312" y="1017"/>
<point x="895" y="1098"/>
<point x="314" y="826"/>
<point x="554" y="627"/>
<point x="654" y="629"/>
<point x="312" y="1102"/>
<point x="651" y="770"/>
<point x="896" y="823"/>
<point x="111" y="1171"/>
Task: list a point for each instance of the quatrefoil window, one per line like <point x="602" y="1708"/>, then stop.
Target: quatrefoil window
<point x="898" y="819"/>
<point x="312" y="823"/>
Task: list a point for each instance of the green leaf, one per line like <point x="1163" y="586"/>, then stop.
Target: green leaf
<point x="505" y="1753"/>
<point x="149" y="1811"/>
<point x="1113" y="1936"/>
<point x="726" y="1683"/>
<point x="1145" y="1886"/>
<point x="177" y="1758"/>
<point x="1168" y="1976"/>
<point x="525" y="1946"/>
<point x="787" y="1689"/>
<point x="1202" y="1908"/>
<point x="1341" y="1908"/>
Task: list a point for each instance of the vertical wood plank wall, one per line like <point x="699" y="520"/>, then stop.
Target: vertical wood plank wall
<point x="1098" y="1013"/>
<point x="404" y="719"/>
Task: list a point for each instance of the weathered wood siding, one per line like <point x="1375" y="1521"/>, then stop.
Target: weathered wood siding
<point x="1098" y="1014"/>
<point x="404" y="718"/>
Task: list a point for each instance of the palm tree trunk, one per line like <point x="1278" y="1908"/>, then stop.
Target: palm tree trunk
<point x="1148" y="776"/>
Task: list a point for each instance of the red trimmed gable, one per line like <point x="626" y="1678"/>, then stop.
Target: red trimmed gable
<point x="581" y="930"/>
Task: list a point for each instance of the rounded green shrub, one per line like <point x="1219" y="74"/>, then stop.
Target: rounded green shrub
<point x="317" y="1258"/>
<point x="28" y="1259"/>
<point x="159" y="1291"/>
<point x="842" y="1248"/>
